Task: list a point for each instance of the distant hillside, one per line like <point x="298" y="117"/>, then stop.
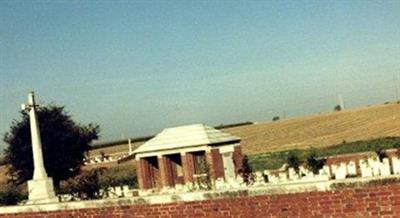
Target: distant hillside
<point x="320" y="130"/>
<point x="315" y="130"/>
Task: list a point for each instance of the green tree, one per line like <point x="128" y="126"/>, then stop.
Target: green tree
<point x="276" y="118"/>
<point x="293" y="160"/>
<point x="313" y="163"/>
<point x="246" y="171"/>
<point x="64" y="144"/>
<point x="337" y="108"/>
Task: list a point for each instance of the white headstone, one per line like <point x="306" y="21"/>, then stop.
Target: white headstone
<point x="293" y="175"/>
<point x="326" y="170"/>
<point x="273" y="179"/>
<point x="385" y="167"/>
<point x="366" y="170"/>
<point x="375" y="165"/>
<point x="118" y="191"/>
<point x="352" y="168"/>
<point x="396" y="165"/>
<point x="126" y="191"/>
<point x="341" y="171"/>
<point x="283" y="177"/>
<point x="259" y="179"/>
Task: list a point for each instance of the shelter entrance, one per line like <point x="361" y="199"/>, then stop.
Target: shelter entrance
<point x="199" y="162"/>
<point x="174" y="169"/>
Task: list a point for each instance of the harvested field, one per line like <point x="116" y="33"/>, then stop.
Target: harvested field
<point x="320" y="130"/>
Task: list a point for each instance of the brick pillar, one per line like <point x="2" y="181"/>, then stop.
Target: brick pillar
<point x="139" y="173"/>
<point x="237" y="158"/>
<point x="188" y="167"/>
<point x="216" y="166"/>
<point x="143" y="174"/>
<point x="164" y="174"/>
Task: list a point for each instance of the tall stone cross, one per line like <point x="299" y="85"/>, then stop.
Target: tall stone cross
<point x="40" y="188"/>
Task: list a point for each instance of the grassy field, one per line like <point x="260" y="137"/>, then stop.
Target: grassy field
<point x="274" y="160"/>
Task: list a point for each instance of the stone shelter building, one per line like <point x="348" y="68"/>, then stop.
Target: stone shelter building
<point x="179" y="155"/>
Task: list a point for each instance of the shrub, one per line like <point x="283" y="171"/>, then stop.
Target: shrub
<point x="11" y="195"/>
<point x="118" y="176"/>
<point x="83" y="186"/>
<point x="246" y="172"/>
<point x="204" y="182"/>
<point x="313" y="163"/>
<point x="293" y="160"/>
<point x="337" y="108"/>
<point x="381" y="153"/>
<point x="276" y="118"/>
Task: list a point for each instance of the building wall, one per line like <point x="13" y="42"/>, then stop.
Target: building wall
<point x="381" y="200"/>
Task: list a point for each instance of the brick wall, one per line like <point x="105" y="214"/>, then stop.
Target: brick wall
<point x="368" y="201"/>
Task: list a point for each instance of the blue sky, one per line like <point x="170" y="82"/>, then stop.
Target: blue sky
<point x="138" y="67"/>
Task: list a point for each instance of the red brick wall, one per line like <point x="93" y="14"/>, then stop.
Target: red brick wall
<point x="377" y="201"/>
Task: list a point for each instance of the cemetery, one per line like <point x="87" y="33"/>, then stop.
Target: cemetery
<point x="201" y="166"/>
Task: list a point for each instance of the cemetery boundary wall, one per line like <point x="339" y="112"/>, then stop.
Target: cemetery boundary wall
<point x="358" y="198"/>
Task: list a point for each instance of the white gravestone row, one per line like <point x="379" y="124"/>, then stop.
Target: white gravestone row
<point x="112" y="192"/>
<point x="374" y="167"/>
<point x="368" y="168"/>
<point x="116" y="192"/>
<point x="99" y="159"/>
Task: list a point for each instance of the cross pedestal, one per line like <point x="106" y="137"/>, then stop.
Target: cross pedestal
<point x="41" y="191"/>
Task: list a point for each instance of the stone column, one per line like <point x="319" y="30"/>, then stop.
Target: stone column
<point x="40" y="188"/>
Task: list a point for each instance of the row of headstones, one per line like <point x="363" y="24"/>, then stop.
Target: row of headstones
<point x="98" y="159"/>
<point x="111" y="192"/>
<point x="368" y="168"/>
<point x="116" y="192"/>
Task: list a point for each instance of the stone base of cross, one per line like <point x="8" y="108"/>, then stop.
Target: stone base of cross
<point x="41" y="191"/>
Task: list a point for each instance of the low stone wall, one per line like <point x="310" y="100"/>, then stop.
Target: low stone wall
<point x="355" y="198"/>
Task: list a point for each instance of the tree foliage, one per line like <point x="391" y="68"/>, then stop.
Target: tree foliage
<point x="314" y="163"/>
<point x="337" y="108"/>
<point x="64" y="144"/>
<point x="246" y="171"/>
<point x="276" y="118"/>
<point x="11" y="195"/>
<point x="84" y="186"/>
<point x="293" y="160"/>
